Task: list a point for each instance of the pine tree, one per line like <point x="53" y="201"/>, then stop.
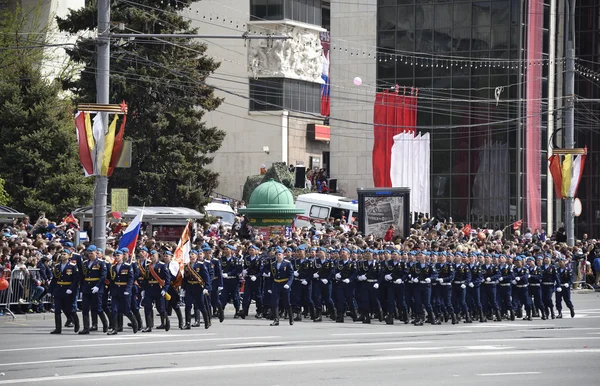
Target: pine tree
<point x="38" y="146"/>
<point x="162" y="82"/>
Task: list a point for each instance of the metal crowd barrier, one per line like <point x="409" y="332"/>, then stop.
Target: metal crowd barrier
<point x="20" y="292"/>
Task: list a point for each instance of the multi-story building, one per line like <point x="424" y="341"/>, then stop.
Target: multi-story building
<point x="470" y="61"/>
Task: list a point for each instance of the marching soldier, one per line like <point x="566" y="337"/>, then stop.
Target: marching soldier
<point x="252" y="288"/>
<point x="422" y="274"/>
<point x="283" y="277"/>
<point x="462" y="279"/>
<point x="445" y="278"/>
<point x="63" y="287"/>
<point x="563" y="291"/>
<point x="395" y="272"/>
<point x="535" y="285"/>
<point x="505" y="280"/>
<point x="344" y="290"/>
<point x="550" y="281"/>
<point x="322" y="285"/>
<point x="136" y="295"/>
<point x="369" y="272"/>
<point x="232" y="269"/>
<point x="158" y="280"/>
<point x="491" y="274"/>
<point x="121" y="282"/>
<point x="521" y="274"/>
<point x="196" y="283"/>
<point x="302" y="290"/>
<point x="92" y="288"/>
<point x="172" y="301"/>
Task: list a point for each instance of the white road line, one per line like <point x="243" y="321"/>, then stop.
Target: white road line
<point x="134" y="343"/>
<point x="504" y="325"/>
<point x="216" y="351"/>
<point x="279" y="343"/>
<point x="565" y="329"/>
<point x="433" y="332"/>
<point x="537" y="338"/>
<point x="291" y="364"/>
<point x="445" y="348"/>
<point x="502" y="374"/>
<point x="590" y="310"/>
<point x="138" y="336"/>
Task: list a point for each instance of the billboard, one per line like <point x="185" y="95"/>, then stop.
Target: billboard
<point x="379" y="208"/>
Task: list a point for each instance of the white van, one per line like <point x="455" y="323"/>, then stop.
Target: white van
<point x="224" y="211"/>
<point x="319" y="207"/>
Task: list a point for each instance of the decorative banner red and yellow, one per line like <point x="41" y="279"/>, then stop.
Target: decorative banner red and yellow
<point x="566" y="175"/>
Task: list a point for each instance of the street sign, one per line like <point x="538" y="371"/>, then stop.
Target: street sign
<point x="119" y="199"/>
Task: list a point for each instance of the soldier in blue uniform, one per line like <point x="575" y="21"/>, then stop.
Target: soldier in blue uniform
<point x="345" y="278"/>
<point x="301" y="295"/>
<point x="474" y="288"/>
<point x="136" y="294"/>
<point x="253" y="281"/>
<point x="535" y="285"/>
<point x="491" y="274"/>
<point x="422" y="274"/>
<point x="216" y="274"/>
<point x="92" y="287"/>
<point x="74" y="258"/>
<point x="505" y="281"/>
<point x="521" y="281"/>
<point x="563" y="291"/>
<point x="550" y="281"/>
<point x="232" y="269"/>
<point x="369" y="273"/>
<point x="283" y="277"/>
<point x="158" y="280"/>
<point x="445" y="278"/>
<point x="121" y="281"/>
<point x="394" y="272"/>
<point x="63" y="287"/>
<point x="462" y="279"/>
<point x="322" y="279"/>
<point x="196" y="284"/>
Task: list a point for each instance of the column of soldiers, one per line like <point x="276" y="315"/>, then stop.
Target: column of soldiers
<point x="305" y="282"/>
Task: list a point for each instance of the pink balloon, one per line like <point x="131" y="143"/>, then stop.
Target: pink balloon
<point x="357" y="81"/>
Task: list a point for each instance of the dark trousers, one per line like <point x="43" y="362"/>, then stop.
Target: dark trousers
<point x="505" y="292"/>
<point x="153" y="298"/>
<point x="443" y="299"/>
<point x="474" y="299"/>
<point x="136" y="298"/>
<point x="344" y="294"/>
<point x="370" y="299"/>
<point x="522" y="294"/>
<point x="395" y="298"/>
<point x="565" y="295"/>
<point x="194" y="297"/>
<point x="488" y="297"/>
<point x="322" y="294"/>
<point x="90" y="301"/>
<point x="547" y="291"/>
<point x="536" y="292"/>
<point x="409" y="290"/>
<point x="253" y="290"/>
<point x="63" y="303"/>
<point x="121" y="304"/>
<point x="278" y="293"/>
<point x="422" y="298"/>
<point x="301" y="295"/>
<point x="459" y="298"/>
<point x="230" y="293"/>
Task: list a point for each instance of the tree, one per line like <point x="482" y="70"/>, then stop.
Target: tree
<point x="4" y="197"/>
<point x="163" y="85"/>
<point x="38" y="146"/>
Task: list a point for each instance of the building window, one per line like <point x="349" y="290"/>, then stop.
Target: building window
<point x="306" y="11"/>
<point x="269" y="94"/>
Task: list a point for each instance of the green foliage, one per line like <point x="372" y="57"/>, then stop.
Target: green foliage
<point x="163" y="85"/>
<point x="4" y="197"/>
<point x="38" y="147"/>
<point x="279" y="172"/>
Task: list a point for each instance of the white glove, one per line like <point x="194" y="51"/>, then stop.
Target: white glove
<point x="269" y="291"/>
<point x="362" y="277"/>
<point x="324" y="281"/>
<point x="376" y="285"/>
<point x="94" y="290"/>
<point x="225" y="276"/>
<point x="416" y="280"/>
<point x="388" y="277"/>
<point x="205" y="292"/>
<point x="338" y="276"/>
<point x="398" y="281"/>
<point x="501" y="278"/>
<point x="514" y="282"/>
<point x="518" y="278"/>
<point x="346" y="281"/>
<point x="253" y="278"/>
<point x="162" y="293"/>
<point x="463" y="286"/>
<point x="304" y="282"/>
<point x="528" y="276"/>
<point x="286" y="286"/>
<point x="427" y="280"/>
<point x="559" y="289"/>
<point x="471" y="285"/>
<point x="219" y="288"/>
<point x="244" y="272"/>
<point x="266" y="274"/>
<point x="487" y="279"/>
<point x="296" y="273"/>
<point x="125" y="293"/>
<point x="566" y="285"/>
<point x="69" y="292"/>
<point x="440" y="280"/>
<point x="316" y="275"/>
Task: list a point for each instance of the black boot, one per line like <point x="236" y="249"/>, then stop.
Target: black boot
<point x="353" y="314"/>
<point x="149" y="323"/>
<point x="57" y="324"/>
<point x="196" y="318"/>
<point x="162" y="326"/>
<point x="552" y="313"/>
<point x="104" y="322"/>
<point x="221" y="314"/>
<point x="244" y="311"/>
<point x="167" y="322"/>
<point x="572" y="309"/>
<point x="482" y="318"/>
<point x="543" y="313"/>
<point x="468" y="318"/>
<point x="188" y="320"/>
<point x="290" y="316"/>
<point x="298" y="317"/>
<point x="109" y="316"/>
<point x="339" y="316"/>
<point x="527" y="315"/>
<point x="454" y="318"/>
<point x="447" y="317"/>
<point x="115" y="324"/>
<point x="69" y="322"/>
<point x="498" y="317"/>
<point x="434" y="321"/>
<point x="419" y="320"/>
<point x="380" y="315"/>
<point x="367" y="318"/>
<point x="133" y="321"/>
<point x="389" y="319"/>
<point x="179" y="317"/>
<point x="559" y="315"/>
<point x="75" y="321"/>
<point x="275" y="318"/>
<point x="120" y="323"/>
<point x="138" y="319"/>
<point x="512" y="314"/>
<point x="405" y="316"/>
<point x="318" y="315"/>
<point x="207" y="322"/>
<point x="333" y="314"/>
<point x="94" y="326"/>
<point x="86" y="324"/>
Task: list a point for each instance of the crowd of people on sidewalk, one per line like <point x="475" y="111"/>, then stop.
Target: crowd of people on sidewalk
<point x="437" y="274"/>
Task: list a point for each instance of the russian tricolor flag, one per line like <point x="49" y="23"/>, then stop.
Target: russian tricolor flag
<point x="130" y="236"/>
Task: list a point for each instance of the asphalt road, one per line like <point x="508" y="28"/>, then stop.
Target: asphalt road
<point x="250" y="352"/>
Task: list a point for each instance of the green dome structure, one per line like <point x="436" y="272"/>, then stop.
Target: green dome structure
<point x="271" y="199"/>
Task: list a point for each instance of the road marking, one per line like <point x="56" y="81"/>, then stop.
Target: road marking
<point x="504" y="325"/>
<point x="433" y="332"/>
<point x="502" y="374"/>
<point x="445" y="348"/>
<point x="565" y="329"/>
<point x="134" y="343"/>
<point x="537" y="338"/>
<point x="138" y="336"/>
<point x="216" y="351"/>
<point x="288" y="364"/>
